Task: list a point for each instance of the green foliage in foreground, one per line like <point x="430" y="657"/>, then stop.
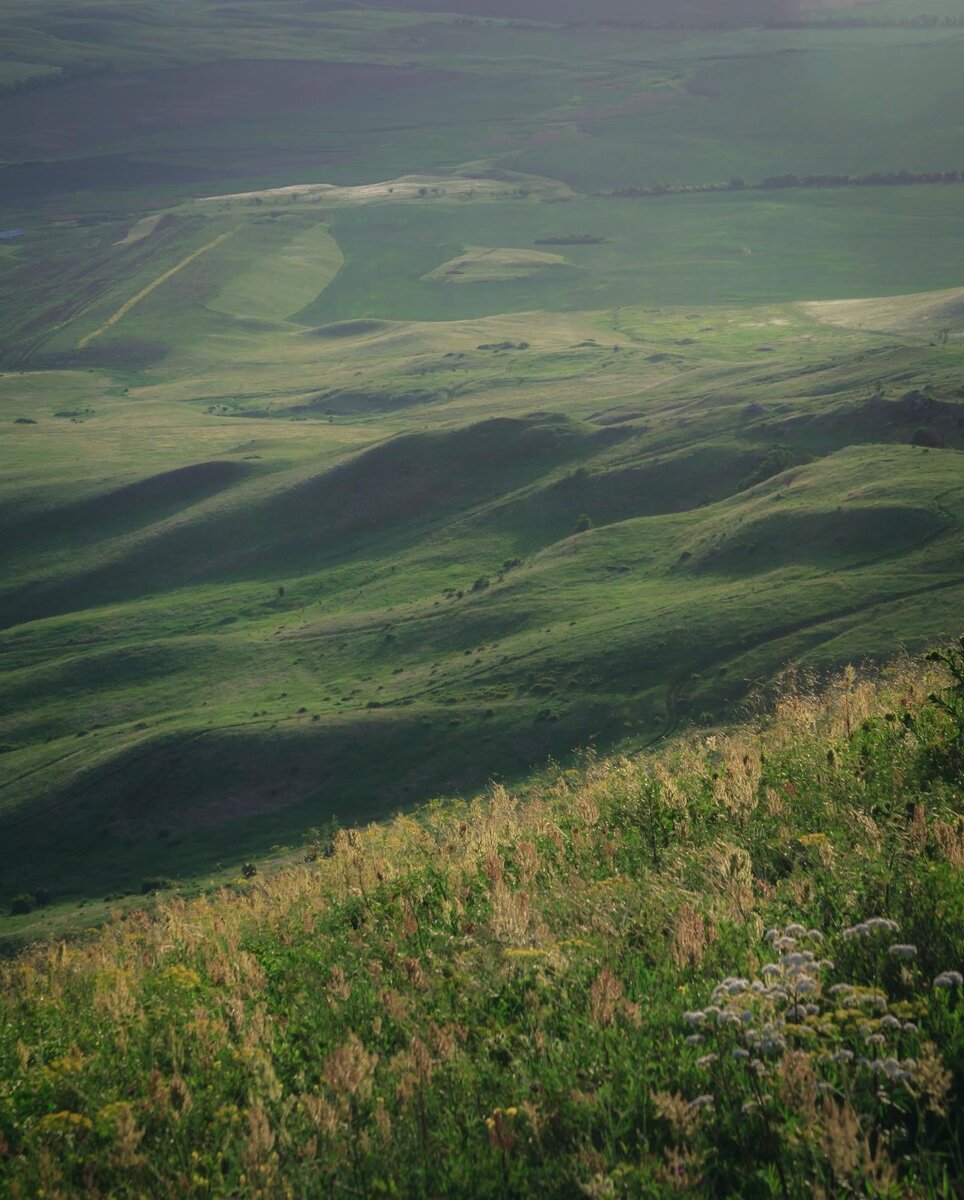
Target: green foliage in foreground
<point x="727" y="971"/>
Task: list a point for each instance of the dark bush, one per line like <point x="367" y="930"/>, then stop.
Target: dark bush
<point x="22" y="904"/>
<point x="155" y="883"/>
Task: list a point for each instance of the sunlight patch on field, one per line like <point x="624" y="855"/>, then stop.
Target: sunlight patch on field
<point x="483" y="265"/>
<point x="922" y="312"/>
<point x="406" y="188"/>
<point x="144" y="228"/>
<point x="276" y="285"/>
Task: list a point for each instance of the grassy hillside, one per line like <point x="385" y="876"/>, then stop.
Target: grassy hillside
<point x="729" y="969"/>
<point x="361" y="452"/>
<point x="355" y="598"/>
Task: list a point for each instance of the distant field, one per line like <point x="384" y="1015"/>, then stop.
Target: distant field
<point x="673" y="250"/>
<point x="248" y="94"/>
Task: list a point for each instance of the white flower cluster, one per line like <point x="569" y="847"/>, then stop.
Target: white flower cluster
<point x="871" y="926"/>
<point x="761" y="1009"/>
<point x="752" y="1020"/>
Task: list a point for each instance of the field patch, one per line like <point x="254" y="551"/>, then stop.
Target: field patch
<point x="275" y="285"/>
<point x="923" y="312"/>
<point x="142" y="229"/>
<point x="87" y="113"/>
<point x="407" y="188"/>
<point x="481" y="265"/>
<point x="126" y="307"/>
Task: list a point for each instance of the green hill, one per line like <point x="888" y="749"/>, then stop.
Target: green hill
<point x="290" y="530"/>
<point x="326" y="603"/>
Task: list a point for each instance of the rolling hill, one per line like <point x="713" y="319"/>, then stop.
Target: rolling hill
<point x="393" y="399"/>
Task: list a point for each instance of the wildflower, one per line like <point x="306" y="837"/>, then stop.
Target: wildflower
<point x="902" y="950"/>
<point x="949" y="979"/>
<point x="932" y="1080"/>
<point x="739" y="1052"/>
<point x="696" y="1017"/>
<point x="694" y="1039"/>
<point x="731" y="987"/>
<point x="182" y="977"/>
<point x="892" y="1069"/>
<point x="64" y="1122"/>
<point x="889" y="1022"/>
<point x="795" y="960"/>
<point x="703" y="1101"/>
<point x="795" y="930"/>
<point x="707" y="1060"/>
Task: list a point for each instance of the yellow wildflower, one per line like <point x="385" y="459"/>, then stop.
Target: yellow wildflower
<point x="64" y="1122"/>
<point x="182" y="976"/>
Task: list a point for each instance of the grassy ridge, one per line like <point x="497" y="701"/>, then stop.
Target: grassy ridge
<point x="277" y="492"/>
<point x="512" y="997"/>
<point x="693" y="510"/>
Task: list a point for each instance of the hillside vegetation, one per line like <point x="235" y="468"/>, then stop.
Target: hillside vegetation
<point x="500" y="541"/>
<point x="371" y="430"/>
<point x="730" y="969"/>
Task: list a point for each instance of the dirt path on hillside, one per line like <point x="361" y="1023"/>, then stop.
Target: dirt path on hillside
<point x="145" y="292"/>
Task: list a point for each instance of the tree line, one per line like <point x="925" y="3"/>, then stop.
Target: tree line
<point x="790" y="180"/>
<point x="921" y="21"/>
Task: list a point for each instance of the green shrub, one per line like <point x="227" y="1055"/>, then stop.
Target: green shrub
<point x="22" y="904"/>
<point x="156" y="883"/>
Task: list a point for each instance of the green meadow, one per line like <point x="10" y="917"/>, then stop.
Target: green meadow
<point x="361" y="447"/>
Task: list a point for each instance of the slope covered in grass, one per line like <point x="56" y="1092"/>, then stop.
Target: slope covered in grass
<point x="729" y="969"/>
<point x="388" y="560"/>
<point x="290" y="528"/>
